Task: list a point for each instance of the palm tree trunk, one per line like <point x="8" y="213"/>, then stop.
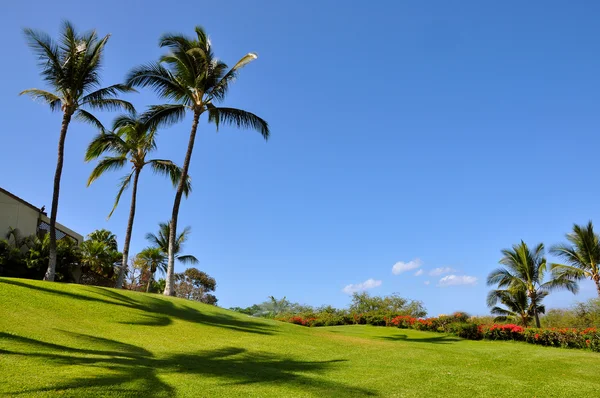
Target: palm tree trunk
<point x="170" y="279"/>
<point x="123" y="269"/>
<point x="597" y="280"/>
<point x="150" y="278"/>
<point x="50" y="272"/>
<point x="170" y="282"/>
<point x="535" y="312"/>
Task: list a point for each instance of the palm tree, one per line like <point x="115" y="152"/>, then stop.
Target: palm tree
<point x="18" y="239"/>
<point x="71" y="67"/>
<point x="191" y="77"/>
<point x="161" y="241"/>
<point x="131" y="140"/>
<point x="153" y="259"/>
<point x="582" y="255"/>
<point x="105" y="236"/>
<point x="517" y="305"/>
<point x="525" y="269"/>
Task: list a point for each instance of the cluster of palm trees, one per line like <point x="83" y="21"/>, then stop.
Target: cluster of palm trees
<point x="189" y="76"/>
<point x="522" y="285"/>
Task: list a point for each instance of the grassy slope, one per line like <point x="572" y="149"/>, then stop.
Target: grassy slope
<point x="87" y="341"/>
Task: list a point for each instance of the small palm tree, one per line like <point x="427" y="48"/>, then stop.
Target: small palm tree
<point x="518" y="305"/>
<point x="582" y="255"/>
<point x="525" y="269"/>
<point x="161" y="241"/>
<point x="18" y="240"/>
<point x="194" y="79"/>
<point x="131" y="140"/>
<point x="153" y="259"/>
<point x="72" y="68"/>
<point x="105" y="236"/>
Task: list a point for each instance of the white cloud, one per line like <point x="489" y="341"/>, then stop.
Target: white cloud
<point x="455" y="280"/>
<point x="359" y="287"/>
<point x="441" y="271"/>
<point x="401" y="266"/>
<point x="427" y="283"/>
<point x="419" y="272"/>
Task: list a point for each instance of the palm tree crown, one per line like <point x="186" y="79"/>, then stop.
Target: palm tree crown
<point x="525" y="269"/>
<point x="517" y="303"/>
<point x="72" y="68"/>
<point x="194" y="79"/>
<point x="130" y="140"/>
<point x="161" y="241"/>
<point x="582" y="255"/>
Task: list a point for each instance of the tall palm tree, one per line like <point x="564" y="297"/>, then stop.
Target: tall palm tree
<point x="525" y="269"/>
<point x="191" y="77"/>
<point x="161" y="241"/>
<point x="154" y="259"/>
<point x="130" y="141"/>
<point x="518" y="305"/>
<point x="582" y="255"/>
<point x="71" y="67"/>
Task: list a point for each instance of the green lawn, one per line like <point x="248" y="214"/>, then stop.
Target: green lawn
<point x="72" y="340"/>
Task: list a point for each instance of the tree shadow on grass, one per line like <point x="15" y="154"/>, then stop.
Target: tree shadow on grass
<point x="128" y="369"/>
<point x="444" y="339"/>
<point x="155" y="311"/>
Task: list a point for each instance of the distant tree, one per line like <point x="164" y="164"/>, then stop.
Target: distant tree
<point x="106" y="237"/>
<point x="130" y="142"/>
<point x="393" y="304"/>
<point x="71" y="68"/>
<point x="161" y="241"/>
<point x="153" y="259"/>
<point x="582" y="255"/>
<point x="525" y="269"/>
<point x="195" y="80"/>
<point x="194" y="284"/>
<point x="518" y="305"/>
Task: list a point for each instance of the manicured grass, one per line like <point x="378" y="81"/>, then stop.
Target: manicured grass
<point x="79" y="341"/>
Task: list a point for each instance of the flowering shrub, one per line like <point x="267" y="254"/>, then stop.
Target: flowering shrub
<point x="502" y="332"/>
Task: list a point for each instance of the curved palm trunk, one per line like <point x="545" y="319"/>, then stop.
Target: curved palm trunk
<point x="123" y="269"/>
<point x="170" y="282"/>
<point x="50" y="272"/>
<point x="596" y="279"/>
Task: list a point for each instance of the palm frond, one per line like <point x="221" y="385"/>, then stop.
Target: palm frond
<point x="110" y="104"/>
<point x="123" y="184"/>
<point x="109" y="92"/>
<point x="188" y="259"/>
<point x="47" y="97"/>
<point x="239" y="118"/>
<point x="84" y="116"/>
<point x="163" y="115"/>
<point x="219" y="90"/>
<point x="161" y="80"/>
<point x="171" y="170"/>
<point x="103" y="143"/>
<point x="106" y="164"/>
<point x="48" y="54"/>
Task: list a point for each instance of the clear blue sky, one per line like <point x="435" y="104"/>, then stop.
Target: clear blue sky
<point x="400" y="130"/>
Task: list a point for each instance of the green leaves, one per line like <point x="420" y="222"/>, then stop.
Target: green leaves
<point x="107" y="164"/>
<point x="49" y="98"/>
<point x="174" y="172"/>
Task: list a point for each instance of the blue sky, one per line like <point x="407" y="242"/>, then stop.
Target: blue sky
<point x="403" y="133"/>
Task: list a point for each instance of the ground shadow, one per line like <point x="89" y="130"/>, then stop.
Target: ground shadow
<point x="444" y="339"/>
<point x="156" y="312"/>
<point x="131" y="369"/>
